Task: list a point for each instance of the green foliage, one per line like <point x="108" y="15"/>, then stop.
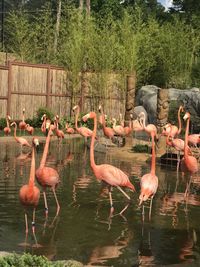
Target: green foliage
<point x="28" y="260"/>
<point x="140" y="148"/>
<point x="115" y="38"/>
<point x="2" y="123"/>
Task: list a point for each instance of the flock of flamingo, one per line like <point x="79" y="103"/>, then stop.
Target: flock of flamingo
<point x="112" y="176"/>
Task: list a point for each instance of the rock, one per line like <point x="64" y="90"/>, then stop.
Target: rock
<point x="147" y="97"/>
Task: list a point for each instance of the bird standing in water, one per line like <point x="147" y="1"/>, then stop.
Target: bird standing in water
<point x="189" y="162"/>
<point x="29" y="194"/>
<point x="47" y="176"/>
<point x="7" y="129"/>
<point x="112" y="176"/>
<point x="22" y="141"/>
<point x="149" y="181"/>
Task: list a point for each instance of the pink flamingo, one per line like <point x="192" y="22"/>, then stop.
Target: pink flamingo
<point x="84" y="131"/>
<point x="107" y="173"/>
<point x="7" y="129"/>
<point x="29" y="194"/>
<point x="29" y="129"/>
<point x="149" y="181"/>
<point x="47" y="176"/>
<point x="108" y="131"/>
<point x="173" y="129"/>
<point x="118" y="129"/>
<point x="178" y="144"/>
<point x="150" y="128"/>
<point x="22" y="124"/>
<point x="59" y="133"/>
<point x="128" y="129"/>
<point x="69" y="130"/>
<point x="45" y="124"/>
<point x="194" y="140"/>
<point x="189" y="162"/>
<point x="22" y="141"/>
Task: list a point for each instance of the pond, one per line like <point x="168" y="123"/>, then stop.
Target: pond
<point x="83" y="230"/>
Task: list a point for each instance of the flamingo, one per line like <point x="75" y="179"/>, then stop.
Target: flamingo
<point x="194" y="140"/>
<point x="128" y="129"/>
<point x="45" y="124"/>
<point x="59" y="133"/>
<point x="7" y="129"/>
<point x="189" y="162"/>
<point x="84" y="131"/>
<point x="147" y="128"/>
<point x="173" y="129"/>
<point x="29" y="194"/>
<point x="109" y="174"/>
<point x="22" y="141"/>
<point x="47" y="176"/>
<point x="69" y="130"/>
<point x="149" y="181"/>
<point x="22" y="124"/>
<point x="118" y="129"/>
<point x="29" y="129"/>
<point x="108" y="131"/>
<point x="178" y="144"/>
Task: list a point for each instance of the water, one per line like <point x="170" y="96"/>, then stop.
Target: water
<point x="83" y="230"/>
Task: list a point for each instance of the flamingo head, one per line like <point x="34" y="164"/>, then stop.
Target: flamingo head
<point x="100" y="107"/>
<point x="13" y="123"/>
<point x="181" y="108"/>
<point x="90" y="115"/>
<point x="35" y="143"/>
<point x="75" y="108"/>
<point x="23" y="110"/>
<point x="186" y="116"/>
<point x="8" y="117"/>
<point x="43" y="116"/>
<point x="57" y="117"/>
<point x="131" y="116"/>
<point x="27" y="125"/>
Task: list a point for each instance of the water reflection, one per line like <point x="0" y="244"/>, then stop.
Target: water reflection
<point x="84" y="229"/>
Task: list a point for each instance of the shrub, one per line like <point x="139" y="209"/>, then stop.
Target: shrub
<point x="140" y="148"/>
<point x="2" y="123"/>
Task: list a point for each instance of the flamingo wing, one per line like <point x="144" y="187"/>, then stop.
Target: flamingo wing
<point x="47" y="177"/>
<point x="113" y="176"/>
<point x="84" y="131"/>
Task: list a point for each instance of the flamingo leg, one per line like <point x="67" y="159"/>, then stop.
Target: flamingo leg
<point x="33" y="228"/>
<point x="111" y="203"/>
<point x="150" y="209"/>
<point x="178" y="161"/>
<point x="26" y="222"/>
<point x="143" y="213"/>
<point x="58" y="206"/>
<point x="188" y="188"/>
<point x="120" y="189"/>
<point x="33" y="221"/>
<point x="45" y="203"/>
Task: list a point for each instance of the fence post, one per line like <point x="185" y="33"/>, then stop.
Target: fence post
<point x="10" y="84"/>
<point x="48" y="86"/>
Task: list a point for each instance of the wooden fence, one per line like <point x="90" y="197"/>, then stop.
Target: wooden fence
<point x="32" y="86"/>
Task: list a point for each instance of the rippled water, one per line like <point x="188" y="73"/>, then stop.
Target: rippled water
<point x="83" y="230"/>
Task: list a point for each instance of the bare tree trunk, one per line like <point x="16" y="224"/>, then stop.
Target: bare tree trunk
<point x="130" y="97"/>
<point x="81" y="5"/>
<point x="88" y="7"/>
<point x="57" y="26"/>
<point x="162" y="118"/>
<point x="84" y="90"/>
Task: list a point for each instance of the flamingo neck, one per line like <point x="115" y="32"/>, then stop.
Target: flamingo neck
<point x="153" y="158"/>
<point x="23" y="118"/>
<point x="186" y="138"/>
<point x="7" y="122"/>
<point x="45" y="152"/>
<point x="179" y="121"/>
<point x="15" y="132"/>
<point x="32" y="171"/>
<point x="168" y="142"/>
<point x="92" y="162"/>
<point x="44" y="124"/>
